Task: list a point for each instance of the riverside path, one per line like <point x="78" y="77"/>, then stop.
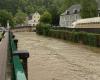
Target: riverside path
<point x="52" y="59"/>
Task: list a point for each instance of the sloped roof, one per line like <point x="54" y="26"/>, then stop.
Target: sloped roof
<point x="73" y="7"/>
<point x="87" y="20"/>
<point x="77" y="7"/>
<point x="98" y="2"/>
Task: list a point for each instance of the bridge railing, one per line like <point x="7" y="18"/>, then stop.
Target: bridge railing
<point x="13" y="63"/>
<point x="18" y="59"/>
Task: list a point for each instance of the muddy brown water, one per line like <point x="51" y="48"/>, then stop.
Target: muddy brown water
<point x="52" y="59"/>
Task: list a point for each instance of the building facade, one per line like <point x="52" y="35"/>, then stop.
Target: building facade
<point x="70" y="15"/>
<point x="34" y="19"/>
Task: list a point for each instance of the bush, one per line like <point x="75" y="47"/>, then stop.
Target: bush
<point x="88" y="38"/>
<point x="43" y="29"/>
<point x="83" y="37"/>
<point x="91" y="39"/>
<point x="46" y="17"/>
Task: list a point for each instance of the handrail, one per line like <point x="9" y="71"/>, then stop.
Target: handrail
<point x="19" y="73"/>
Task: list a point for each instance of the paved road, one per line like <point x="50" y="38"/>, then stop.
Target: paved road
<point x="52" y="59"/>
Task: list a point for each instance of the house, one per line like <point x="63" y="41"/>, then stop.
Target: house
<point x="98" y="11"/>
<point x="33" y="19"/>
<point x="71" y="15"/>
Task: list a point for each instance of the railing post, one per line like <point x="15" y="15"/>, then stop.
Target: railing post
<point x="16" y="42"/>
<point x="23" y="57"/>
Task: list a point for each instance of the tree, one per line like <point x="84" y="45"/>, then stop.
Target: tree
<point x="29" y="9"/>
<point x="20" y="17"/>
<point x="89" y="9"/>
<point x="46" y="17"/>
<point x="55" y="14"/>
<point x="4" y="17"/>
<point x="55" y="7"/>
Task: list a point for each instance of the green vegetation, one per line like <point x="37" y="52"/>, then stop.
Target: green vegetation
<point x="54" y="7"/>
<point x="91" y="39"/>
<point x="20" y="17"/>
<point x="89" y="9"/>
<point x="43" y="29"/>
<point x="46" y="17"/>
<point x="4" y="17"/>
<point x="0" y="35"/>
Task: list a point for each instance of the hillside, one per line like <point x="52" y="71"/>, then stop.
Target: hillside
<point x="55" y="7"/>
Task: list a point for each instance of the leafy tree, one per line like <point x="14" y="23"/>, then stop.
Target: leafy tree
<point x="22" y="4"/>
<point x="89" y="9"/>
<point x="41" y="9"/>
<point x="20" y="17"/>
<point x="46" y="17"/>
<point x="64" y="4"/>
<point x="29" y="9"/>
<point x="4" y="17"/>
<point x="55" y="7"/>
<point x="55" y="14"/>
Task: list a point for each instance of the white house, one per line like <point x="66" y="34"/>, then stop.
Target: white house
<point x="70" y="15"/>
<point x="34" y="19"/>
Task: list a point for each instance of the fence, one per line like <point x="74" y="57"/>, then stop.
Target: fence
<point x="19" y="60"/>
<point x="13" y="63"/>
<point x="23" y="29"/>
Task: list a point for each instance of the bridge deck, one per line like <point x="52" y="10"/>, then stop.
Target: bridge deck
<point x="52" y="59"/>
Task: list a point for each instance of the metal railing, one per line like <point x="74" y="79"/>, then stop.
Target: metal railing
<point x="19" y="60"/>
<point x="13" y="63"/>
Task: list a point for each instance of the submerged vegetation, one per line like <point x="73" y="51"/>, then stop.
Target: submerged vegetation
<point x="86" y="38"/>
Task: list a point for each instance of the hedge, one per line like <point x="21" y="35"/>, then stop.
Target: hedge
<point x="89" y="30"/>
<point x="91" y="39"/>
<point x="43" y="29"/>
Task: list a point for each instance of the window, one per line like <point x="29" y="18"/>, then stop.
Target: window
<point x="98" y="14"/>
<point x="38" y="16"/>
<point x="34" y="20"/>
<point x="67" y="12"/>
<point x="75" y="11"/>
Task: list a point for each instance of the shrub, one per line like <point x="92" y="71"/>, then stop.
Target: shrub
<point x="46" y="17"/>
<point x="43" y="29"/>
<point x="92" y="40"/>
<point x="88" y="38"/>
<point x="83" y="37"/>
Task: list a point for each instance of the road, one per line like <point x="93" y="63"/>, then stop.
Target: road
<point x="52" y="59"/>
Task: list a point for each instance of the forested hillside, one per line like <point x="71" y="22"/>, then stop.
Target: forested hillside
<point x="55" y="7"/>
<point x="30" y="6"/>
